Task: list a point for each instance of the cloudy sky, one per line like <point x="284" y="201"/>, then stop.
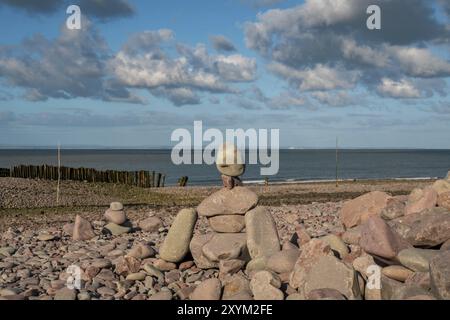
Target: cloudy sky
<point x="137" y="70"/>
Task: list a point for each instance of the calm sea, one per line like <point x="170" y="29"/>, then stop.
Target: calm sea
<point x="298" y="165"/>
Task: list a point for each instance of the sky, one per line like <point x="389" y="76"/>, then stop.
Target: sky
<point x="138" y="70"/>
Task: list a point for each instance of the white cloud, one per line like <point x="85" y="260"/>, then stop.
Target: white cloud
<point x="319" y="78"/>
<point x="420" y="62"/>
<point x="398" y="89"/>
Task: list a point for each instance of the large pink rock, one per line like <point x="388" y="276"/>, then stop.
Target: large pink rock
<point x="430" y="228"/>
<point x="421" y="199"/>
<point x="357" y="211"/>
<point x="310" y="253"/>
<point x="377" y="238"/>
<point x="82" y="229"/>
<point x="444" y="200"/>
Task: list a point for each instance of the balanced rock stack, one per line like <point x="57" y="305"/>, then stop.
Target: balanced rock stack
<point x="226" y="247"/>
<point x="117" y="220"/>
<point x="243" y="234"/>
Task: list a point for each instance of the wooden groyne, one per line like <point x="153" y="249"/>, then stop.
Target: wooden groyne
<point x="142" y="178"/>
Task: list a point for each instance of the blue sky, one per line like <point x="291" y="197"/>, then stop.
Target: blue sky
<point x="137" y="70"/>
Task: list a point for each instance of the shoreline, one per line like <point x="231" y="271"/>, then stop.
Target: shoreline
<point x="294" y="181"/>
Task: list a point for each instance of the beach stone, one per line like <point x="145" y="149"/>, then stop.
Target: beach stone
<point x="210" y="289"/>
<point x="295" y="296"/>
<point x="405" y="292"/>
<point x="230" y="266"/>
<point x="66" y="294"/>
<point x="155" y="272"/>
<point x="446" y="245"/>
<point x="231" y="182"/>
<point x="358" y="210"/>
<point x="377" y="238"/>
<point x="68" y="229"/>
<point x="151" y="224"/>
<point x="444" y="200"/>
<point x="257" y="264"/>
<point x="440" y="275"/>
<point x="362" y="265"/>
<point x="429" y="228"/>
<point x="441" y="186"/>
<point x="398" y="273"/>
<point x="116" y="206"/>
<point x="229" y="160"/>
<point x="421" y="199"/>
<point x="419" y="279"/>
<point x="227" y="223"/>
<point x="141" y="251"/>
<point x="115" y="229"/>
<point x="301" y="236"/>
<point x="325" y="294"/>
<point x="46" y="237"/>
<point x="329" y="272"/>
<point x="389" y="287"/>
<point x="196" y="245"/>
<point x="82" y="229"/>
<point x="117" y="217"/>
<point x="238" y="200"/>
<point x="237" y="288"/>
<point x="8" y="292"/>
<point x="101" y="263"/>
<point x="164" y="265"/>
<point x="126" y="265"/>
<point x="7" y="251"/>
<point x="283" y="261"/>
<point x="352" y="235"/>
<point x="395" y="208"/>
<point x="417" y="259"/>
<point x="265" y="286"/>
<point x="262" y="233"/>
<point x="310" y="254"/>
<point x="336" y="244"/>
<point x="225" y="246"/>
<point x="161" y="295"/>
<point x="176" y="243"/>
<point x="138" y="276"/>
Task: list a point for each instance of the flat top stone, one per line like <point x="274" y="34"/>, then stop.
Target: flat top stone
<point x="117" y="206"/>
<point x="238" y="200"/>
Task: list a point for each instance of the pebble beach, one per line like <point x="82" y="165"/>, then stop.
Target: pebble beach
<point x="37" y="240"/>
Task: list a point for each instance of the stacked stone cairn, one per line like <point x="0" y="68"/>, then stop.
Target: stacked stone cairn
<point x="117" y="220"/>
<point x="244" y="236"/>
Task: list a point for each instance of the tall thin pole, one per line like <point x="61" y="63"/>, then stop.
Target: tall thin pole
<point x="59" y="174"/>
<point x="337" y="160"/>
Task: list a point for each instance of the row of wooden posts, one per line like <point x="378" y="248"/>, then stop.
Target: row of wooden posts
<point x="145" y="179"/>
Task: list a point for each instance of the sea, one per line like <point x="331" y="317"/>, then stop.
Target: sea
<point x="295" y="165"/>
